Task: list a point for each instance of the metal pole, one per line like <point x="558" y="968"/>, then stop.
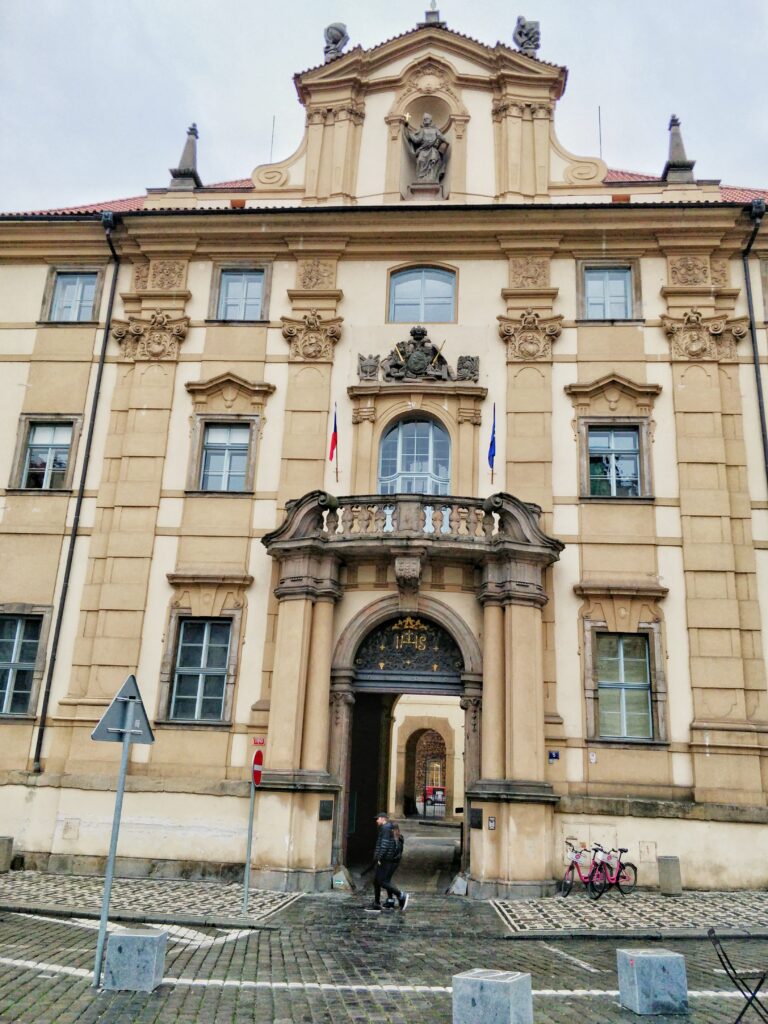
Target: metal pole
<point x="249" y="840"/>
<point x="127" y="729"/>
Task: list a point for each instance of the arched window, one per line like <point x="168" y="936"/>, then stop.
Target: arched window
<point x="415" y="458"/>
<point x="422" y="295"/>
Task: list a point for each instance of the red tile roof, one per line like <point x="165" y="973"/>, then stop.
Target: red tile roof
<point x="615" y="175"/>
<point x="737" y="194"/>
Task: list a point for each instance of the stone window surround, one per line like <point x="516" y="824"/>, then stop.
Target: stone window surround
<point x="234" y="614"/>
<point x="26" y="419"/>
<point x="644" y="447"/>
<point x="632" y="264"/>
<point x="422" y="265"/>
<point x="213" y="302"/>
<point x="199" y="423"/>
<point x="45" y="613"/>
<point x="50" y="284"/>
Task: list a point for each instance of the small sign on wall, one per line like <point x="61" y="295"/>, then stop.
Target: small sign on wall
<point x="259" y="741"/>
<point x="326" y="810"/>
<point x="553" y="755"/>
<point x="491" y="823"/>
<point x="476" y="817"/>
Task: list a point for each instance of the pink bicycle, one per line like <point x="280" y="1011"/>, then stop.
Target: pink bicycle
<point x="607" y="874"/>
<point x="575" y="868"/>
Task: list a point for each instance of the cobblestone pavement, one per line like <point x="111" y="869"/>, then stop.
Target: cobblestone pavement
<point x="140" y="894"/>
<point x="328" y="961"/>
<point x="640" y="911"/>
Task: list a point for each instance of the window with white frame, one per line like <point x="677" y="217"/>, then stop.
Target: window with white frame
<point x="73" y="296"/>
<point x="46" y="459"/>
<point x="608" y="293"/>
<point x="422" y="295"/>
<point x="224" y="458"/>
<point x="415" y="458"/>
<point x="624" y="686"/>
<point x="200" y="677"/>
<point x="19" y="640"/>
<point x="241" y="294"/>
<point x="614" y="461"/>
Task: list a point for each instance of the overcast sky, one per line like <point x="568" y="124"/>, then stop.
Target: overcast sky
<point x="95" y="95"/>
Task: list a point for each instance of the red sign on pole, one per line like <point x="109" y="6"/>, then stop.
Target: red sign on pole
<point x="258" y="764"/>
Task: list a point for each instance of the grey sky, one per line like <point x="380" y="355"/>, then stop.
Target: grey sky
<point x="95" y="95"/>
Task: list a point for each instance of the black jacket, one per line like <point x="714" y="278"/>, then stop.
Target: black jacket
<point x="386" y="844"/>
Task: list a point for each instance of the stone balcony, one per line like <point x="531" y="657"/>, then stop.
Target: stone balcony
<point x="500" y="535"/>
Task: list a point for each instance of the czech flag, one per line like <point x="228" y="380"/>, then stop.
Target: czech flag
<point x="492" y="445"/>
<point x="334" y="436"/>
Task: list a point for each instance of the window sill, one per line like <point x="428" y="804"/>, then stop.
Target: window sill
<point x="39" y="490"/>
<point x="262" y="323"/>
<point x="188" y="723"/>
<point x="627" y="743"/>
<point x="642" y="499"/>
<point x="8" y="716"/>
<point x="67" y="323"/>
<point x="219" y="494"/>
<point x="630" y="322"/>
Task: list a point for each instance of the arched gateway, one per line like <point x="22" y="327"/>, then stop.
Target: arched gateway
<point x="454" y="569"/>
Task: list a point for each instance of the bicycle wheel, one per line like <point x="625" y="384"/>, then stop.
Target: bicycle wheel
<point x="567" y="883"/>
<point x="597" y="882"/>
<point x="627" y="879"/>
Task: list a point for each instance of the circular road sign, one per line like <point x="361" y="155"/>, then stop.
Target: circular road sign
<point x="258" y="764"/>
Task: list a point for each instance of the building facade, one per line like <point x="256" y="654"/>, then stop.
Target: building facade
<point x="542" y="537"/>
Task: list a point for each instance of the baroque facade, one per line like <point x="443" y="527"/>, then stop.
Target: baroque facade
<point x="577" y="618"/>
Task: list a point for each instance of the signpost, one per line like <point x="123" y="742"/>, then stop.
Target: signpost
<point x="256" y="769"/>
<point x="125" y="721"/>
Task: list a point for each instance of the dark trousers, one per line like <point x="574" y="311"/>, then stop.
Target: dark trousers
<point x="382" y="879"/>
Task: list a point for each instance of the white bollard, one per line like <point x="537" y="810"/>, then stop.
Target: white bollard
<point x="492" y="997"/>
<point x="135" y="960"/>
<point x="652" y="981"/>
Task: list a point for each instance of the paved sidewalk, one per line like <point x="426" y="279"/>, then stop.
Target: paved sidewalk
<point x="140" y="899"/>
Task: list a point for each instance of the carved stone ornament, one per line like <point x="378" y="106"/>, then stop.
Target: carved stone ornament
<point x="153" y="339"/>
<point x="408" y="572"/>
<point x="368" y="367"/>
<point x="697" y="337"/>
<point x="468" y="368"/>
<point x="312" y="337"/>
<point x="719" y="273"/>
<point x="140" y="276"/>
<point x="336" y="38"/>
<point x="315" y="273"/>
<point x="527" y="36"/>
<point x="529" y="338"/>
<point x="473" y="706"/>
<point x="166" y="275"/>
<point x="528" y="272"/>
<point x="341" y="701"/>
<point x="685" y="270"/>
<point x="418" y="358"/>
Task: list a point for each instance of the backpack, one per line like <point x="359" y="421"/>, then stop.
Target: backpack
<point x="399" y="840"/>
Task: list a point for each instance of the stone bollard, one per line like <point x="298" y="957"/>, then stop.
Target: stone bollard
<point x="652" y="981"/>
<point x="670" y="882"/>
<point x="6" y="853"/>
<point x="135" y="960"/>
<point x="492" y="997"/>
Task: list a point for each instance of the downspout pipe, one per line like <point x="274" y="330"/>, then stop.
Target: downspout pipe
<point x="756" y="214"/>
<point x="108" y="222"/>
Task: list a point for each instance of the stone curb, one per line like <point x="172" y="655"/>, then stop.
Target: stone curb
<point x="634" y="933"/>
<point x="136" y="916"/>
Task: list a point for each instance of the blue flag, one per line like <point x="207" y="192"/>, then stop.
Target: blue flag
<point x="492" y="445"/>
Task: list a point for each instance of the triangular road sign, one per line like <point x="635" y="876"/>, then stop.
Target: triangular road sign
<point x="111" y="728"/>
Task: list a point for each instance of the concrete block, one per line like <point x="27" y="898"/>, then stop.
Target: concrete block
<point x="6" y="853"/>
<point x="670" y="882"/>
<point x="652" y="981"/>
<point x="135" y="960"/>
<point x="459" y="886"/>
<point x="492" y="997"/>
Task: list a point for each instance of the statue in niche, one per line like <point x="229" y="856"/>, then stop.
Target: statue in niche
<point x="527" y="36"/>
<point x="430" y="147"/>
<point x="336" y="39"/>
<point x="416" y="359"/>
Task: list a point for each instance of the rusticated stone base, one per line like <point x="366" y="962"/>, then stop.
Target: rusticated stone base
<point x="292" y="879"/>
<point x="490" y="889"/>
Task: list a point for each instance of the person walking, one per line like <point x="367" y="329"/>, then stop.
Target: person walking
<point x="386" y="857"/>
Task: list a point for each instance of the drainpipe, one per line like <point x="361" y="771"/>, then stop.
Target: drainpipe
<point x="108" y="221"/>
<point x="756" y="214"/>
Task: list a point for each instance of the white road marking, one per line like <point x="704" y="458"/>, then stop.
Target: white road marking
<point x="319" y="986"/>
<point x="573" y="959"/>
<point x="177" y="933"/>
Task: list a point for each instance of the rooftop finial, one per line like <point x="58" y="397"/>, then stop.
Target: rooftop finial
<point x="336" y="39"/>
<point x="527" y="36"/>
<point x="185" y="176"/>
<point x="678" y="168"/>
<point x="432" y="17"/>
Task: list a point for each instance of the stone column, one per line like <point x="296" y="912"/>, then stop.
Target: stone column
<point x="286" y="711"/>
<point x="494" y="715"/>
<point x="524" y="693"/>
<point x="342" y="705"/>
<point x="314" y="744"/>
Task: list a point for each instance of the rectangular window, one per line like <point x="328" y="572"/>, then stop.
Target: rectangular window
<point x="240" y="294"/>
<point x="624" y="686"/>
<point x="614" y="462"/>
<point x="73" y="296"/>
<point x="200" y="679"/>
<point x="19" y="639"/>
<point x="47" y="456"/>
<point x="224" y="461"/>
<point x="608" y="293"/>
